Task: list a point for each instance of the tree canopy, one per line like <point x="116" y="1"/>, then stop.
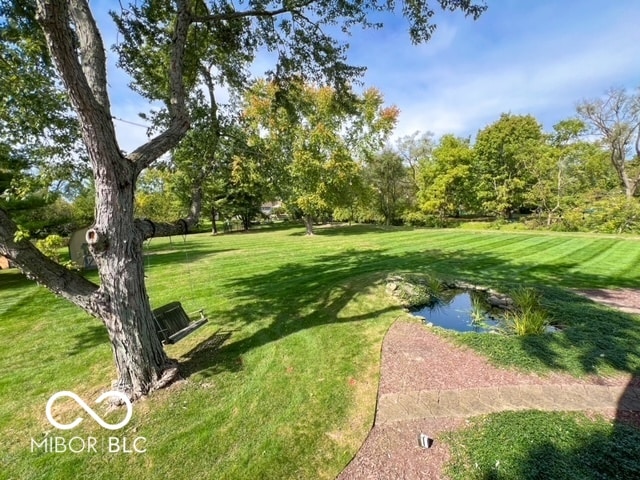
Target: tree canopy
<point x="166" y="45"/>
<point x="320" y="143"/>
<point x="503" y="152"/>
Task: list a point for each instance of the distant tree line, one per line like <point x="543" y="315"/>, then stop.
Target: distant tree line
<point x="326" y="155"/>
<point x="325" y="161"/>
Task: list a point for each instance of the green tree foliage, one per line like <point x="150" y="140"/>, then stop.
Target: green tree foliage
<point x="612" y="212"/>
<point x="39" y="139"/>
<point x="248" y="187"/>
<point x="390" y="184"/>
<point x="220" y="47"/>
<point x="504" y="154"/>
<point x="319" y="145"/>
<point x="568" y="168"/>
<point x="156" y="198"/>
<point x="445" y="184"/>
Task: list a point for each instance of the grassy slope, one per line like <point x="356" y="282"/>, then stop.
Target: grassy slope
<point x="291" y="393"/>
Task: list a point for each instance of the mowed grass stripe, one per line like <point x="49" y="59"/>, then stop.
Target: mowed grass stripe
<point x="563" y="251"/>
<point x="281" y="398"/>
<point x="529" y="245"/>
<point x="592" y="255"/>
<point x="615" y="262"/>
<point x="628" y="260"/>
<point x="463" y="241"/>
<point x="491" y="243"/>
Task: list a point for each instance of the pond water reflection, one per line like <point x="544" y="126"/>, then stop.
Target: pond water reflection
<point x="460" y="310"/>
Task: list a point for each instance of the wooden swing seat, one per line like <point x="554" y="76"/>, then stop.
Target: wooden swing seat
<point x="173" y="323"/>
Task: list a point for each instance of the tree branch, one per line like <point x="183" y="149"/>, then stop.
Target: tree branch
<point x="251" y="13"/>
<point x="179" y="117"/>
<point x="36" y="266"/>
<point x="88" y="93"/>
<point x="92" y="56"/>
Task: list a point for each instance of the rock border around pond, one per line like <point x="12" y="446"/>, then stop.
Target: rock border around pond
<point x="415" y="290"/>
<point x="419" y="290"/>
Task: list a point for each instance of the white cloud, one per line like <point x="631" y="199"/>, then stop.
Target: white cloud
<point x="520" y="57"/>
<point x="538" y="62"/>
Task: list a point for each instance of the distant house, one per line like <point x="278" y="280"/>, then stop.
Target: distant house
<point x="268" y="208"/>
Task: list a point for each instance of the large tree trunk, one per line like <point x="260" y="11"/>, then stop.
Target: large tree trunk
<point x="116" y="245"/>
<point x="115" y="239"/>
<point x="120" y="302"/>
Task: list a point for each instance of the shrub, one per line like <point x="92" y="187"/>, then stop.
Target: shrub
<point x="419" y="219"/>
<point x="51" y="247"/>
<point x="571" y="221"/>
<point x="613" y="213"/>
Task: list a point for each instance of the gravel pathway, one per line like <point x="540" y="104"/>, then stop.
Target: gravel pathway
<point x="428" y="385"/>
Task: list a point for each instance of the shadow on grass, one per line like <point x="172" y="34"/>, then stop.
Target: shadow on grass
<point x="92" y="336"/>
<point x="613" y="452"/>
<point x="207" y="355"/>
<point x="298" y="296"/>
<point x="178" y="256"/>
<point x="13" y="278"/>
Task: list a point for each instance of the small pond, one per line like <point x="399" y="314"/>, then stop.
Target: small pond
<point x="460" y="310"/>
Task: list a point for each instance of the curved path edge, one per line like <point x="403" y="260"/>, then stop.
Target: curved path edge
<point x="417" y="395"/>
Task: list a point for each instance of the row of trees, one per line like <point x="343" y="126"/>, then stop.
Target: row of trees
<point x="584" y="173"/>
<point x="512" y="166"/>
<point x="328" y="159"/>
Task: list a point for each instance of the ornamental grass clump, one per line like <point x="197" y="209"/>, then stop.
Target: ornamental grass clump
<point x="528" y="317"/>
<point x="478" y="310"/>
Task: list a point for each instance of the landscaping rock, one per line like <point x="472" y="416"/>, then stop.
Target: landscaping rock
<point x="499" y="300"/>
<point x="408" y="291"/>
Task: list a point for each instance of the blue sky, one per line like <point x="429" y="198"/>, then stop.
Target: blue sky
<point x="522" y="56"/>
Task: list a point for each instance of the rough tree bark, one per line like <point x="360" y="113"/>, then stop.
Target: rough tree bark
<point x="115" y="239"/>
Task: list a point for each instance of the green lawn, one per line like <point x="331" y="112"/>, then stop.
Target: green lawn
<point x="544" y="445"/>
<point x="291" y="393"/>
